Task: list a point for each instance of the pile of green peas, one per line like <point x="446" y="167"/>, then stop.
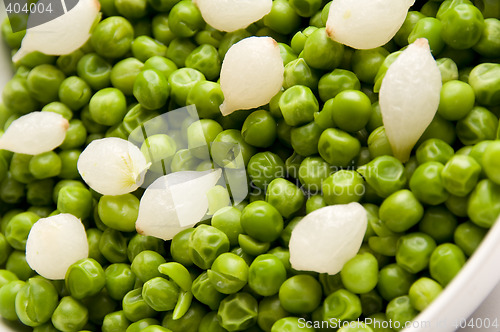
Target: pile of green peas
<point x="319" y="142"/>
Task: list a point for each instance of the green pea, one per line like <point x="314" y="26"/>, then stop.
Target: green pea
<point x="270" y="311"/>
<point x="457" y="100"/>
<point x="85" y="278"/>
<point x="312" y="172"/>
<point x="414" y="251"/>
<point x="337" y="147"/>
<point x="36" y="58"/>
<point x="159" y="149"/>
<point x="76" y="135"/>
<point x="292" y="165"/>
<point x="8" y="299"/>
<point x="298" y="72"/>
<point x="341" y="305"/>
<point x="366" y="63"/>
<point x="229" y="273"/>
<point x="488" y="44"/>
<point x="285" y="196"/>
<point x="43" y="82"/>
<point x="441" y="129"/>
<point x="200" y="136"/>
<point x="131" y="9"/>
<point x="266" y="275"/>
<point x="468" y="236"/>
<point x="439" y="223"/>
<point x="18" y="229"/>
<point x="324" y="118"/>
<point x="113" y="246"/>
<point x="144" y="47"/>
<point x="160" y="294"/>
<point x="429" y="28"/>
<point x="304" y="139"/>
<point x="140" y="325"/>
<point x="385" y="174"/>
<point x="182" y="81"/>
<point x="160" y="27"/>
<point x="238" y="311"/>
<point x="378" y="144"/>
<point x="156" y="328"/>
<point x="264" y="167"/>
<point x="343" y="187"/>
<point x="434" y="149"/>
<point x="5" y="250"/>
<point x="6" y="276"/>
<point x="205" y="59"/>
<point x="331" y="84"/>
<point x="185" y="19"/>
<point x="259" y="129"/>
<point x="478" y="125"/>
<point x="179" y="248"/>
<point x="75" y="200"/>
<point x="314" y="202"/>
<point x="282" y="18"/>
<point x="119" y="212"/>
<point x="115" y="322"/>
<point x="423" y="292"/>
<point x="112" y="38"/>
<point x="448" y="69"/>
<point x="135" y="307"/>
<point x="95" y="70"/>
<point x="151" y="89"/>
<point x="484" y="80"/>
<point x="204" y="291"/>
<point x="179" y="49"/>
<point x="207" y="97"/>
<point x="322" y="52"/>
<point x="70" y="315"/>
<point x="161" y="64"/>
<point x="401" y="211"/>
<point x="17" y="264"/>
<point x="412" y="17"/>
<point x="145" y="265"/>
<point x="360" y="273"/>
<point x="189" y="322"/>
<point x="99" y="306"/>
<point x="427" y="185"/>
<point x="400" y="310"/>
<point x="262" y="221"/>
<point x="11" y="191"/>
<point x="460" y="175"/>
<point x="351" y="110"/>
<point x="17" y="98"/>
<point x="300" y="294"/>
<point x="252" y="246"/>
<point x="491" y="160"/>
<point x="19" y="167"/>
<point x="298" y="105"/>
<point x="483" y="207"/>
<point x="206" y="243"/>
<point x="36" y="301"/>
<point x="462" y="26"/>
<point x="124" y="73"/>
<point x="227" y="220"/>
<point x="445" y="262"/>
<point x="68" y="63"/>
<point x="74" y="92"/>
<point x="290" y="324"/>
<point x="13" y="39"/>
<point x="119" y="280"/>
